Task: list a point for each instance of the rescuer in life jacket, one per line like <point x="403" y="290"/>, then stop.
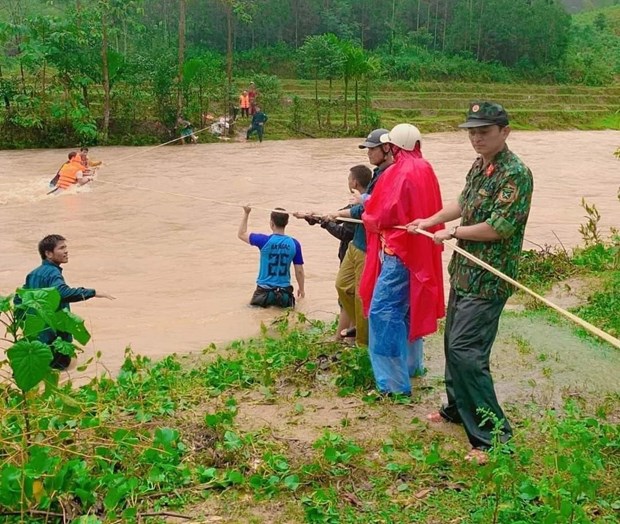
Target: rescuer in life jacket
<point x="73" y="172"/>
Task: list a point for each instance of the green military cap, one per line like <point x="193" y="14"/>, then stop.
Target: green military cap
<point x="485" y="114"/>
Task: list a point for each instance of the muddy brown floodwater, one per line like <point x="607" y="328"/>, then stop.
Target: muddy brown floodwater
<point x="182" y="278"/>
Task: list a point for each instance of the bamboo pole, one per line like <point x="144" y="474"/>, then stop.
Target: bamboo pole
<point x="586" y="325"/>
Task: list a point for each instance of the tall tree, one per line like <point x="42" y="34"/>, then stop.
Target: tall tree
<point x="354" y="66"/>
<point x="104" y="6"/>
<point x="314" y="53"/>
<point x="242" y="10"/>
<point x="181" y="59"/>
<point x="205" y="72"/>
<point x="332" y="67"/>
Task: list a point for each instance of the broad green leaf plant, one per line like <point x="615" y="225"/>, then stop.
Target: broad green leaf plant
<point x="25" y="315"/>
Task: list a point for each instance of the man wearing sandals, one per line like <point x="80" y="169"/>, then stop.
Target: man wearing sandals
<point x="402" y="284"/>
<point x="493" y="208"/>
<point x="350" y="272"/>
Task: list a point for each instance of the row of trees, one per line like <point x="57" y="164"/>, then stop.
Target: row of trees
<point x="327" y="56"/>
<point x="96" y="67"/>
<point x="53" y="58"/>
<point x="508" y="31"/>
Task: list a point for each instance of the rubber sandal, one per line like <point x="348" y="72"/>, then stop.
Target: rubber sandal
<point x="348" y="333"/>
<point x="477" y="456"/>
<point x="435" y="417"/>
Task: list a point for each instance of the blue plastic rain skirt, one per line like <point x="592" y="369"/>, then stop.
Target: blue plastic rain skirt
<point x="394" y="359"/>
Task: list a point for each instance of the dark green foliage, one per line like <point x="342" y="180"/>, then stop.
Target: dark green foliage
<point x="55" y="90"/>
<point x="562" y="492"/>
<point x="25" y="315"/>
<point x="30" y="361"/>
<point x="600" y="258"/>
<point x="270" y="90"/>
<point x="603" y="306"/>
<point x="164" y="436"/>
<point x="541" y="268"/>
<point x="354" y="371"/>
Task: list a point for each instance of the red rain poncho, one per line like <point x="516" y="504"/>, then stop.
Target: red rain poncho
<point x="407" y="190"/>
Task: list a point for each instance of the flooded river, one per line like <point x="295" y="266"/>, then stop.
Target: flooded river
<point x="182" y="278"/>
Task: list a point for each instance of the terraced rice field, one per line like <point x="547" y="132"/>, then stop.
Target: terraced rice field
<point x="441" y="106"/>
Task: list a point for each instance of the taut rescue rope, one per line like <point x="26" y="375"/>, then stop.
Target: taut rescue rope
<point x="154" y="147"/>
<point x="451" y="244"/>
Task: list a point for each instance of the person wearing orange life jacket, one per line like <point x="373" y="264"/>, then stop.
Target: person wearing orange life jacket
<point x="57" y="175"/>
<point x="72" y="173"/>
<point x="244" y="104"/>
<point x="86" y="161"/>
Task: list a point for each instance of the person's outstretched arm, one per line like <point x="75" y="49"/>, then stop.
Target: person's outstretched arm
<point x="76" y="294"/>
<point x="242" y="233"/>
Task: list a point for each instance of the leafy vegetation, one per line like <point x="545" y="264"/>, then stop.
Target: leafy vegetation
<point x="598" y="258"/>
<point x="290" y="422"/>
<point x="165" y="438"/>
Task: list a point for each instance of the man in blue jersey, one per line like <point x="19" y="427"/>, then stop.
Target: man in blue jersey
<point x="277" y="252"/>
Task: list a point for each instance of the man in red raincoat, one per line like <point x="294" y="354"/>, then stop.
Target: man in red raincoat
<point x="402" y="284"/>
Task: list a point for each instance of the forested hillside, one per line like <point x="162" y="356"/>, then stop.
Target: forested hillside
<point x="574" y="6"/>
<point x="114" y="70"/>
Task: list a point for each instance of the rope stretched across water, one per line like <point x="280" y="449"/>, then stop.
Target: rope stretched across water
<point x="451" y="244"/>
<point x="122" y="159"/>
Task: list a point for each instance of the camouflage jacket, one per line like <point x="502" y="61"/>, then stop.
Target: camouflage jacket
<point x="500" y="195"/>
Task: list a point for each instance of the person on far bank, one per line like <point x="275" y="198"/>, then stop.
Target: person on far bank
<point x="54" y="252"/>
<point x="493" y="209"/>
<point x="258" y="124"/>
<point x="253" y="98"/>
<point x="244" y="104"/>
<point x="277" y="252"/>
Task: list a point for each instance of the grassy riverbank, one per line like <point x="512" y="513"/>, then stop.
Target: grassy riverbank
<point x="286" y="428"/>
<point x="292" y="110"/>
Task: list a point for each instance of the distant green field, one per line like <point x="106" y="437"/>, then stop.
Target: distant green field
<point x="441" y="106"/>
<point x="612" y="17"/>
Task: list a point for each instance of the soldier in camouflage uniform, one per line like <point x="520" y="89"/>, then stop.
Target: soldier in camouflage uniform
<point x="493" y="207"/>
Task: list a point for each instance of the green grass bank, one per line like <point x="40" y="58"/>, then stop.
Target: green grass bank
<point x="287" y="428"/>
